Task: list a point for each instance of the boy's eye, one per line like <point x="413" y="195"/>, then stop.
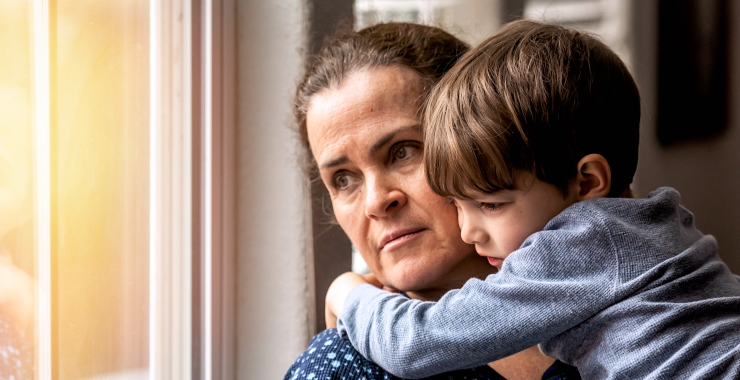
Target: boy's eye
<point x="489" y="206"/>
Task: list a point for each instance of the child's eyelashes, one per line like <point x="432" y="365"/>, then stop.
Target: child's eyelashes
<point x="490" y="206"/>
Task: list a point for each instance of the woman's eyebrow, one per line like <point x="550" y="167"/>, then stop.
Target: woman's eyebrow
<point x="385" y="139"/>
<point x="382" y="141"/>
<point x="335" y="162"/>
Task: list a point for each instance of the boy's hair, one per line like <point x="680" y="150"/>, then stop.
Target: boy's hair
<point x="533" y="98"/>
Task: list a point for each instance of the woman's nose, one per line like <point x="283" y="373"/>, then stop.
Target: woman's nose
<point x="382" y="197"/>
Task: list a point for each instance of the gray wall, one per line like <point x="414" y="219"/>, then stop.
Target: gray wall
<point x="274" y="296"/>
<point x="706" y="172"/>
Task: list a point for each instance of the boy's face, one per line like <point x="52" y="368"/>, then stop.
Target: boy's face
<point x="498" y="223"/>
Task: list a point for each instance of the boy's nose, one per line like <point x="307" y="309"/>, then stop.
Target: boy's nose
<point x="382" y="197"/>
<point x="469" y="230"/>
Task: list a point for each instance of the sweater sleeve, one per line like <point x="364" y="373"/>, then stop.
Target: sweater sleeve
<point x="558" y="279"/>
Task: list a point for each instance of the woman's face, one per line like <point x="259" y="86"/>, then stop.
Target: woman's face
<point x="366" y="138"/>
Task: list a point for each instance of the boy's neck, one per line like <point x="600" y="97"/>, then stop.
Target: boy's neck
<point x="626" y="193"/>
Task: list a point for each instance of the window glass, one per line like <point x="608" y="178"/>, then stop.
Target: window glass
<point x="470" y="20"/>
<point x="607" y="18"/>
<point x="17" y="265"/>
<point x="97" y="188"/>
<point x="99" y="179"/>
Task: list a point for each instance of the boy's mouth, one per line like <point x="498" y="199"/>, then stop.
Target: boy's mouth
<point x="494" y="261"/>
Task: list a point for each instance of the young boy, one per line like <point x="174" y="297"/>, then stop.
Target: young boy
<point x="534" y="135"/>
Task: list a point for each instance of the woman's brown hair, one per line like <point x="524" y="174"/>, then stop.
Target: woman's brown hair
<point x="533" y="98"/>
<point x="427" y="50"/>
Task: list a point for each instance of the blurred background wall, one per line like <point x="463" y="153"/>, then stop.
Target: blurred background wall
<point x="702" y="160"/>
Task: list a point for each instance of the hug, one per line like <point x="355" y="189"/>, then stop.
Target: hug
<point x="489" y="190"/>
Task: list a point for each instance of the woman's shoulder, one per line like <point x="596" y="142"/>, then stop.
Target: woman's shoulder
<point x="328" y="356"/>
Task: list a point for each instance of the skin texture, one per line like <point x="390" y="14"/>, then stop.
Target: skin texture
<point x="366" y="140"/>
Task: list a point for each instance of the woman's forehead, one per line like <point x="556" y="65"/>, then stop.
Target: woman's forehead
<point x="369" y="90"/>
<point x="369" y="105"/>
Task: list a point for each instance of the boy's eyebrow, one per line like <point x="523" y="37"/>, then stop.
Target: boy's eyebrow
<point x="385" y="139"/>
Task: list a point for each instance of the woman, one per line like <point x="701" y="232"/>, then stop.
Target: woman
<point x="357" y="108"/>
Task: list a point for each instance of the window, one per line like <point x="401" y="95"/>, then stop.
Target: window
<point x="607" y="18"/>
<point x="113" y="149"/>
<point x="470" y="20"/>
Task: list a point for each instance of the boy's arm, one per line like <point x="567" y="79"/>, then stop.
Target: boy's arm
<point x="466" y="328"/>
<point x="535" y="297"/>
<point x="339" y="289"/>
<point x="337" y="293"/>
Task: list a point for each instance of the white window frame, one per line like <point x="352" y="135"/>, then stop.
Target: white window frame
<point x="183" y="205"/>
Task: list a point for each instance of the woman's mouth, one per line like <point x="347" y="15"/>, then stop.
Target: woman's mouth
<point x="399" y="237"/>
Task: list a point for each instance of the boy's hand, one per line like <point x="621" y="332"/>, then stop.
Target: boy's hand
<point x="337" y="293"/>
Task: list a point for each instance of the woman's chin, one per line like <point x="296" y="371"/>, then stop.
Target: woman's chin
<point x="414" y="279"/>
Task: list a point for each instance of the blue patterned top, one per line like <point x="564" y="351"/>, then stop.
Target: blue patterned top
<point x="329" y="357"/>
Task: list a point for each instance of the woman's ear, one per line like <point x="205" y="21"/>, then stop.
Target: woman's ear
<point x="594" y="177"/>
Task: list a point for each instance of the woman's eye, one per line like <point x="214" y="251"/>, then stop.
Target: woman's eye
<point x="400" y="153"/>
<point x="341" y="180"/>
<point x="403" y="151"/>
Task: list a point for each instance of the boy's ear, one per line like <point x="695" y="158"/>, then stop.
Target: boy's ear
<point x="594" y="177"/>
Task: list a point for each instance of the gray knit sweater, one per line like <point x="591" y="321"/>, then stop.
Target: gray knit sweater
<point x="620" y="288"/>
